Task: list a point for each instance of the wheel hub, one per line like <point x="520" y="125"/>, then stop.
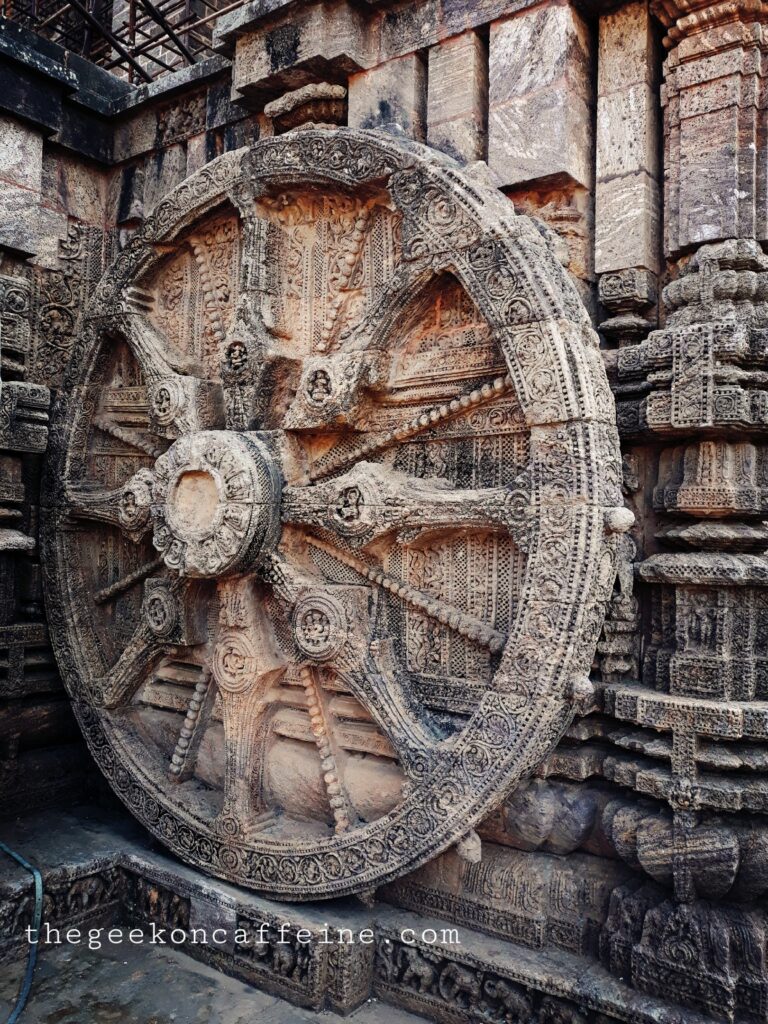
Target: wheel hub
<point x="215" y="503"/>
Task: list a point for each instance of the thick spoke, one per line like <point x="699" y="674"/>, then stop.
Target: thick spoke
<point x="126" y="507"/>
<point x="179" y="401"/>
<point x="380" y="688"/>
<point x="288" y="581"/>
<point x="372" y="500"/>
<point x="333" y="621"/>
<point x="246" y="665"/>
<point x="150" y="348"/>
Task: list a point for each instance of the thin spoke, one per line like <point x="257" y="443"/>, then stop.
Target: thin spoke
<point x="331" y="465"/>
<point x="129" y="437"/>
<point x="126" y="582"/>
<point x="118" y="685"/>
<point x="196" y="721"/>
<point x="126" y="507"/>
<point x="460" y="622"/>
<point x="320" y="716"/>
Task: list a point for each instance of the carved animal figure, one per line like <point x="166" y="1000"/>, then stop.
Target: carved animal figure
<point x="504" y="1003"/>
<point x="459" y="985"/>
<point x="417" y="970"/>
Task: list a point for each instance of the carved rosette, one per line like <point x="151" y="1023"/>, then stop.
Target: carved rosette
<point x="375" y="426"/>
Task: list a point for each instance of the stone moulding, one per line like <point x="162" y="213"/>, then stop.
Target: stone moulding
<point x="564" y="509"/>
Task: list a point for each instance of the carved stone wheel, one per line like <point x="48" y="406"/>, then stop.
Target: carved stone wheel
<point x="329" y="511"/>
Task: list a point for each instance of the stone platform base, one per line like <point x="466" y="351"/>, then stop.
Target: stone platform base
<point x="150" y="985"/>
<point x="103" y="875"/>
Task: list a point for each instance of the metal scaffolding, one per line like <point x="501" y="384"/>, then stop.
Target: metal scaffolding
<point x="135" y="39"/>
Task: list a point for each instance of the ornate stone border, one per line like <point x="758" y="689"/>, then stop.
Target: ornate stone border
<point x="451" y="222"/>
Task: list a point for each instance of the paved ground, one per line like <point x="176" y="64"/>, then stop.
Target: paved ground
<point x="150" y="985"/>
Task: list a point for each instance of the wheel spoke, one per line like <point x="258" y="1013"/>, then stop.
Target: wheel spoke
<point x="126" y="582"/>
<point x="199" y="709"/>
<point x="179" y="401"/>
<point x="336" y="461"/>
<point x="116" y="687"/>
<point x="331" y="757"/>
<point x="246" y="665"/>
<point x="334" y="621"/>
<point x="381" y="689"/>
<point x="372" y="500"/>
<point x="126" y="507"/>
<point x="461" y="622"/>
<point x="151" y="349"/>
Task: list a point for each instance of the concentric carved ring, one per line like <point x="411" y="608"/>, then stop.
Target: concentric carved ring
<point x="166" y="400"/>
<point x="319" y="627"/>
<point x="160" y="611"/>
<point x="215" y="503"/>
<point x="234" y="661"/>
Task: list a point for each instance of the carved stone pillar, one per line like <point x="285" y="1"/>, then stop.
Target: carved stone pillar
<point x="714" y="103"/>
<point x="627" y="200"/>
<point x="693" y="398"/>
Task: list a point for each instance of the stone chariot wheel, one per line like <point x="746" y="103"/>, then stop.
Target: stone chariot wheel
<point x="328" y="525"/>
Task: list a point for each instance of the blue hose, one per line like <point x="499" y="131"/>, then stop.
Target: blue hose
<point x="21" y="1002"/>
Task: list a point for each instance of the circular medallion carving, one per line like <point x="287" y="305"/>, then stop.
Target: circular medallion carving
<point x="319" y="627"/>
<point x="234" y="661"/>
<point x="215" y="503"/>
<point x="166" y="401"/>
<point x="160" y="611"/>
<point x="386" y="527"/>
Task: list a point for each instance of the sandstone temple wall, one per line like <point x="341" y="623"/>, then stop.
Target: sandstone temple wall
<point x="638" y="134"/>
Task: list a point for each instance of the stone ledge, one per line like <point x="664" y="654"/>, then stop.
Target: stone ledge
<point x="100" y="868"/>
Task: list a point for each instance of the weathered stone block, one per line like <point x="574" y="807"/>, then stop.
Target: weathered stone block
<point x="52" y="231"/>
<point x="627" y="132"/>
<point x="627" y="209"/>
<point x="134" y="136"/>
<point x="327" y="40"/>
<point x="197" y="154"/>
<point x="19" y="218"/>
<point x="539" y="76"/>
<point x="712" y="164"/>
<point x="21" y="154"/>
<point x="163" y="171"/>
<point x="537" y="48"/>
<point x="392" y="95"/>
<point x="457" y="96"/>
<point x="627" y="223"/>
<point x="626" y="49"/>
<point x="21" y="167"/>
<point x="520" y="151"/>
